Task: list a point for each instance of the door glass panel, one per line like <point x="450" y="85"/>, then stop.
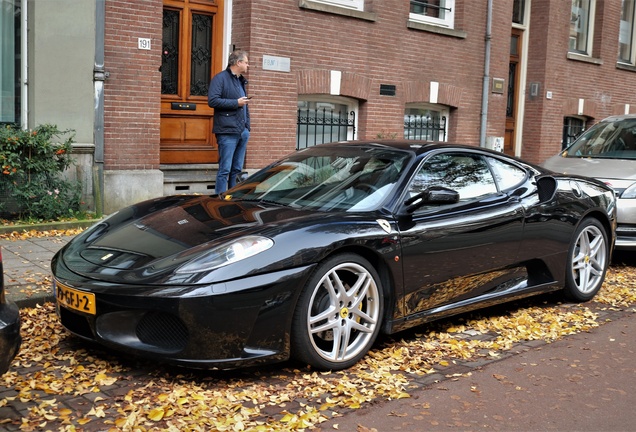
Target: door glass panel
<point x="514" y="45"/>
<point x="170" y="53"/>
<point x="465" y="173"/>
<point x="512" y="79"/>
<point x="201" y="54"/>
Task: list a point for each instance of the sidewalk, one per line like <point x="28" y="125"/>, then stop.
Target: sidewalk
<point x="27" y="268"/>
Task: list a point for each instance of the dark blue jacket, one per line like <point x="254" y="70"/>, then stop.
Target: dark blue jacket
<point x="223" y="95"/>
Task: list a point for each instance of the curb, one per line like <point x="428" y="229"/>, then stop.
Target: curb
<point x="48" y="226"/>
<point x="32" y="302"/>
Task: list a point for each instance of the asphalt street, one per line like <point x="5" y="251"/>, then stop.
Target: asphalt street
<point x="584" y="382"/>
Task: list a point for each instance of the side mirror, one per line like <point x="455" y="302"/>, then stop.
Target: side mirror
<point x="432" y="195"/>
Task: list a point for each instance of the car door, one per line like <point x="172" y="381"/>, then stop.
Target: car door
<point x="454" y="251"/>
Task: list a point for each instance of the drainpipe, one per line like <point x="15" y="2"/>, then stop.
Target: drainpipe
<point x="484" y="92"/>
<point x="99" y="76"/>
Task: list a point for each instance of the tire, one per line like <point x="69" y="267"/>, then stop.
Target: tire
<point x="338" y="315"/>
<point x="588" y="260"/>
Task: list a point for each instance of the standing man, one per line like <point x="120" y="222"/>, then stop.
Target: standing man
<point x="228" y="97"/>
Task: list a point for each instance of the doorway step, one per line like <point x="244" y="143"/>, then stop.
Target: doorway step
<point x="188" y="178"/>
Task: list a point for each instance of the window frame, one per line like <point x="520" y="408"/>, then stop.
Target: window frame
<point x="12" y="64"/>
<point x="629" y="35"/>
<point x="568" y="125"/>
<point x="442" y="110"/>
<point x="348" y="4"/>
<point x="589" y="30"/>
<point x="447" y="22"/>
<point x="317" y="99"/>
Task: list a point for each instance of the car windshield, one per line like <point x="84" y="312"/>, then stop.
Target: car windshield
<point x="327" y="178"/>
<point x="609" y="140"/>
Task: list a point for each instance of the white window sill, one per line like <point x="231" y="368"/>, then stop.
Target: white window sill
<point x="626" y="66"/>
<point x="584" y="58"/>
<point x="322" y="7"/>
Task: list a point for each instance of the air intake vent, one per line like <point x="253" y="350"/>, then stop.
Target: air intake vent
<point x="163" y="330"/>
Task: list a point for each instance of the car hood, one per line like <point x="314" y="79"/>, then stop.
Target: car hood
<point x="603" y="169"/>
<point x="144" y="244"/>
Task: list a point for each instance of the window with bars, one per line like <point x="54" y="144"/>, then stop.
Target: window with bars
<point x="199" y="34"/>
<point x="572" y="128"/>
<point x="423" y="123"/>
<point x="324" y="121"/>
<point x="436" y="12"/>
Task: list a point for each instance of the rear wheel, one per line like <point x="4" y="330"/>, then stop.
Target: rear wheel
<point x="338" y="315"/>
<point x="588" y="259"/>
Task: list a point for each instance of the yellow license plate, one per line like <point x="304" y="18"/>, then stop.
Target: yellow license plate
<point x="75" y="299"/>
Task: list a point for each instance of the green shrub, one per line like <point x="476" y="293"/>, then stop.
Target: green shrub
<point x="32" y="185"/>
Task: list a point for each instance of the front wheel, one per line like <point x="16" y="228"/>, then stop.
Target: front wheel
<point x="338" y="315"/>
<point x="588" y="260"/>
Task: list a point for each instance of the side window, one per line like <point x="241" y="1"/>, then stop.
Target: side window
<point x="507" y="176"/>
<point x="465" y="173"/>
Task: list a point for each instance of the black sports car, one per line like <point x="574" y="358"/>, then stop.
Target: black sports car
<point x="317" y="253"/>
<point x="10" y="338"/>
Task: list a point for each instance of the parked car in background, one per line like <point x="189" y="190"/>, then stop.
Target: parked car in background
<point x="10" y="338"/>
<point x="607" y="151"/>
<point x="314" y="255"/>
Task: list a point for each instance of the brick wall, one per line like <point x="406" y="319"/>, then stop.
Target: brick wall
<point x="372" y="53"/>
<point x="132" y="92"/>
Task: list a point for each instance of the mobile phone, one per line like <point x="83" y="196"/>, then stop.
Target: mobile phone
<point x="249" y="97"/>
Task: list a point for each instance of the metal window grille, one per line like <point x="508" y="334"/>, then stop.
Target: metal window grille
<point x="317" y="126"/>
<point x="572" y="128"/>
<point x="428" y="8"/>
<point x="418" y="127"/>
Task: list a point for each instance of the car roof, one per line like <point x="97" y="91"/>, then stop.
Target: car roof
<point x="618" y="118"/>
<point x="415" y="146"/>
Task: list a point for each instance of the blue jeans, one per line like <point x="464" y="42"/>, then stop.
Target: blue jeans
<point x="232" y="149"/>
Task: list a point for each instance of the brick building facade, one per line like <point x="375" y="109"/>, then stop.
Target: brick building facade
<point x="520" y="75"/>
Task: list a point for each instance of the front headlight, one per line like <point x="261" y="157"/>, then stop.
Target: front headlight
<point x="227" y="254"/>
<point x="630" y="192"/>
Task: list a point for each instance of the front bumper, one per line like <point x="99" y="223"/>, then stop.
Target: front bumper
<point x="237" y="323"/>
<point x="626" y="229"/>
<point x="10" y="339"/>
<point x="626" y="236"/>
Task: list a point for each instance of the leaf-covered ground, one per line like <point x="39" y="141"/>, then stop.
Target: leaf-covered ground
<point x="60" y="383"/>
<point x="24" y="234"/>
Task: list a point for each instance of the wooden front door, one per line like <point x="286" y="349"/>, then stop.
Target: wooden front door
<point x="191" y="53"/>
<point x="513" y="89"/>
